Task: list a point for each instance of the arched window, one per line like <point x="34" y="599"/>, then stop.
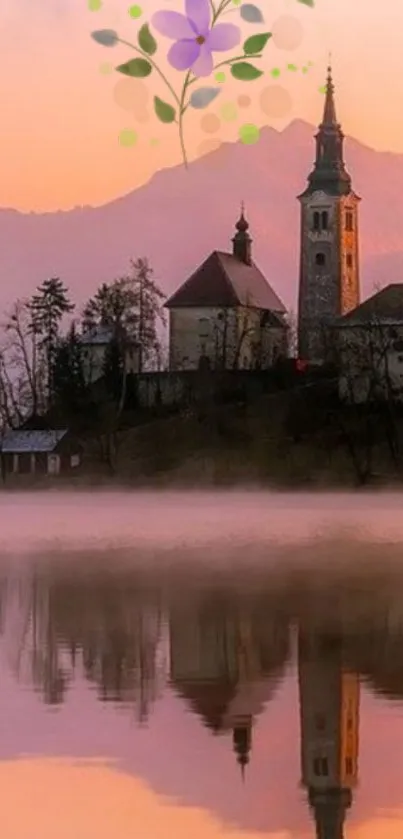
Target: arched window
<point x="349" y="221"/>
<point x="325" y="220"/>
<point x="320" y="259"/>
<point x="316" y="221"/>
<point x="349" y="260"/>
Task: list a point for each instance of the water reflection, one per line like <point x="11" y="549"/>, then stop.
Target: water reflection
<point x="225" y="650"/>
<point x="227" y="656"/>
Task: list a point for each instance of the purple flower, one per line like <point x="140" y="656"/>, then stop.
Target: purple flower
<point x="195" y="40"/>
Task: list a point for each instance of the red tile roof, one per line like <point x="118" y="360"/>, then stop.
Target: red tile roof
<point x="224" y="281"/>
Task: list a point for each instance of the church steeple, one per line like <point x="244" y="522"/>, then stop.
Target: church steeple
<point x="329" y="277"/>
<point x="329" y="111"/>
<point x="242" y="242"/>
<point x="329" y="174"/>
<point x="242" y="741"/>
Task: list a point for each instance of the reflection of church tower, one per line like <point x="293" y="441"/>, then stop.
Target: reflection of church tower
<point x="329" y="713"/>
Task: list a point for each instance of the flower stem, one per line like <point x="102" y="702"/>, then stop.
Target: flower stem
<point x="182" y="109"/>
<point x="220" y="8"/>
<point x="225" y="63"/>
<point x="156" y="68"/>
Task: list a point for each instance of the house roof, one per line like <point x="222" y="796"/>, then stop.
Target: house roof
<point x="224" y="281"/>
<point x="101" y="336"/>
<point x="19" y="442"/>
<point x="385" y="305"/>
<point x="97" y="335"/>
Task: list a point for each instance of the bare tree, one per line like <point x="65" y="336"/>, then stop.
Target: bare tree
<point x="369" y="391"/>
<point x="21" y="368"/>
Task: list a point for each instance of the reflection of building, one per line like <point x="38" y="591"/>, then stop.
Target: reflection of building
<point x="226" y="661"/>
<point x="329" y="713"/>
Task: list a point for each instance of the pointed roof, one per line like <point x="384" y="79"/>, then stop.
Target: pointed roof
<point x="329" y="110"/>
<point x="329" y="173"/>
<point x="208" y="699"/>
<point x="223" y="281"/>
<point x="385" y="305"/>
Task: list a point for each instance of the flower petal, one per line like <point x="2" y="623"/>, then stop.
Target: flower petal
<point x="224" y="36"/>
<point x="203" y="66"/>
<point x="172" y="25"/>
<point x="183" y="54"/>
<point x="198" y="14"/>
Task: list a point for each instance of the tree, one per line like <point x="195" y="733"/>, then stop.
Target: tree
<point x="69" y="386"/>
<point x="21" y="370"/>
<point x="367" y="414"/>
<point x="48" y="307"/>
<point x="149" y="302"/>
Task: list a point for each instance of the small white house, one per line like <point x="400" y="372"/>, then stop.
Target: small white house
<point x="370" y="348"/>
<point x="50" y="452"/>
<point x="95" y="343"/>
<point x="226" y="315"/>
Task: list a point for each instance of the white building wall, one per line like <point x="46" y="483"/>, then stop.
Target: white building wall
<point x="195" y="332"/>
<point x="233" y="336"/>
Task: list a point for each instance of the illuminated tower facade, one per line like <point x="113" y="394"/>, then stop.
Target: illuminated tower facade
<point x="329" y="257"/>
<point x="329" y="718"/>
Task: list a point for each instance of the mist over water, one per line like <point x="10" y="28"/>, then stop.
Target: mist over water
<point x="171" y="520"/>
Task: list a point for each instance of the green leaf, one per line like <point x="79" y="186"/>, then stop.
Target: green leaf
<point x="164" y="111"/>
<point x="251" y="13"/>
<point x="256" y="43"/>
<point x="310" y="3"/>
<point x="105" y="37"/>
<point x="146" y="40"/>
<point x="203" y="97"/>
<point x="245" y="72"/>
<point x="138" y="68"/>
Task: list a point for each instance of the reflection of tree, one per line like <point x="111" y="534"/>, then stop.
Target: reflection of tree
<point x="227" y="656"/>
<point x="108" y="628"/>
<point x="29" y="629"/>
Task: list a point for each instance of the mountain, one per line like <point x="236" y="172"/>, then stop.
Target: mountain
<point x="180" y="216"/>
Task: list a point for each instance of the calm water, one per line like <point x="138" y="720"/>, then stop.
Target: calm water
<point x="224" y="666"/>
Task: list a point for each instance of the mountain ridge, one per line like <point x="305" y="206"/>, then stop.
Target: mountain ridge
<point x="178" y="217"/>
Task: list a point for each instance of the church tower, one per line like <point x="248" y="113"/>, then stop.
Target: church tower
<point x="329" y="258"/>
<point x="329" y="697"/>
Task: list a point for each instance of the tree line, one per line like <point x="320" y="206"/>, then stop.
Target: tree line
<point x="42" y="353"/>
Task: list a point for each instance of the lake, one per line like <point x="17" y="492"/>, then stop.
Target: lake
<point x="204" y="665"/>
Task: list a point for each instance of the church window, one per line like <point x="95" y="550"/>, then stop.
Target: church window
<point x="320" y="767"/>
<point x="325" y="220"/>
<point x="320" y="722"/>
<point x="316" y="221"/>
<point x="349" y="221"/>
<point x="349" y="766"/>
<point x="349" y="260"/>
<point x="320" y="259"/>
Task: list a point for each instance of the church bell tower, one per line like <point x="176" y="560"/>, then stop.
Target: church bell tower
<point x="329" y="257"/>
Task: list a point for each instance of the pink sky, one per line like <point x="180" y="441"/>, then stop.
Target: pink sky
<point x="60" y="121"/>
<point x="87" y="771"/>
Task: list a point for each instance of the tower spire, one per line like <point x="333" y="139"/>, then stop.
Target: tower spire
<point x="329" y="173"/>
<point x="329" y="111"/>
<point x="242" y="242"/>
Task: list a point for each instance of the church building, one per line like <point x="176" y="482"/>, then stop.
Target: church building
<point x="226" y="315"/>
<point x="329" y="284"/>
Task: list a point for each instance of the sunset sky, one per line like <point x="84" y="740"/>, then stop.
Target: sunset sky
<point x="62" y="112"/>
